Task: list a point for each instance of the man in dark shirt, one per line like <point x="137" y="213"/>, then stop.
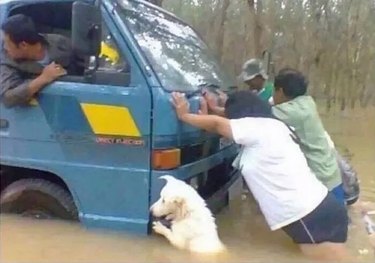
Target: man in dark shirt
<point x="30" y="61"/>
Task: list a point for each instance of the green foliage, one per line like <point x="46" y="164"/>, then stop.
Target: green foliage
<point x="333" y="42"/>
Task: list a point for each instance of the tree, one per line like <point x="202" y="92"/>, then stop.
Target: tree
<point x="332" y="42"/>
<point x="256" y="9"/>
<point x="221" y="31"/>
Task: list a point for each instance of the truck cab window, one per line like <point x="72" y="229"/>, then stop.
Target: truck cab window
<point x="110" y="58"/>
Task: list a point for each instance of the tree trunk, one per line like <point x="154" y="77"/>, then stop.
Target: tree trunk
<point x="220" y="37"/>
<point x="256" y="10"/>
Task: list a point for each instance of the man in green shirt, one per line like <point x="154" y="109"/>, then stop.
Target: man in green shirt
<point x="255" y="77"/>
<point x="299" y="111"/>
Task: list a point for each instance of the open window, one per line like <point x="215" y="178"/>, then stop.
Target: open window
<point x="49" y="18"/>
<point x="56" y="18"/>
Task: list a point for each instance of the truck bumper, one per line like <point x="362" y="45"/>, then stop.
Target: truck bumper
<point x="221" y="197"/>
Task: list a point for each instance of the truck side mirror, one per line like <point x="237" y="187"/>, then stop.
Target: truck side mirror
<point x="86" y="29"/>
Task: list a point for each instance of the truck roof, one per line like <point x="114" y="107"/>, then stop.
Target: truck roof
<point x="171" y="15"/>
<point x="35" y="1"/>
<point x="2" y="2"/>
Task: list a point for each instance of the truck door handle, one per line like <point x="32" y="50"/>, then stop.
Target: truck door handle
<point x="4" y="124"/>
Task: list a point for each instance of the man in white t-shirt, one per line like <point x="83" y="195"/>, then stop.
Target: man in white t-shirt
<point x="266" y="158"/>
<point x="276" y="171"/>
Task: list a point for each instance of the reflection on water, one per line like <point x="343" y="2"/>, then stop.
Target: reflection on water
<point x="241" y="226"/>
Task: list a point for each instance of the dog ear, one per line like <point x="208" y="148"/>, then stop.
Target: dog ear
<point x="167" y="178"/>
<point x="182" y="210"/>
<point x="178" y="200"/>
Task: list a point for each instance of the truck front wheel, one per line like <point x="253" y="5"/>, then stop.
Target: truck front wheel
<point x="38" y="198"/>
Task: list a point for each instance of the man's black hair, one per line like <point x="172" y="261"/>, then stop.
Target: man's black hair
<point x="287" y="70"/>
<point x="21" y="28"/>
<point x="242" y="104"/>
<point x="292" y="82"/>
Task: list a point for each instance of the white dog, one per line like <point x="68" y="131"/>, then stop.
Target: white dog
<point x="192" y="224"/>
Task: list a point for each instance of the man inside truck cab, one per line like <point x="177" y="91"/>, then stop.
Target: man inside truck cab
<point x="30" y="61"/>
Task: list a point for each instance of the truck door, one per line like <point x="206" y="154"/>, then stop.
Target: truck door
<point x="94" y="133"/>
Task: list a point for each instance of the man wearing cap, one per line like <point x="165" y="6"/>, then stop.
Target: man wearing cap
<point x="30" y="61"/>
<point x="254" y="75"/>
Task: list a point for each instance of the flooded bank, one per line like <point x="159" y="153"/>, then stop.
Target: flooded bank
<point x="241" y="227"/>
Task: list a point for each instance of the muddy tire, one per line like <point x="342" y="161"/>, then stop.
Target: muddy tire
<point x="39" y="199"/>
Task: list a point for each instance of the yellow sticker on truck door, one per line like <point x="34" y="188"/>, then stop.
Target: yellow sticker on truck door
<point x="110" y="120"/>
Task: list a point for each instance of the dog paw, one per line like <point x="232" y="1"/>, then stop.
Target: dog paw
<point x="159" y="228"/>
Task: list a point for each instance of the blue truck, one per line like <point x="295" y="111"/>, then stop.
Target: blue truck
<point x="92" y="147"/>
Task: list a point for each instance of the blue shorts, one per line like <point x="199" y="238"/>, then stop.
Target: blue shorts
<point x="339" y="193"/>
<point x="327" y="223"/>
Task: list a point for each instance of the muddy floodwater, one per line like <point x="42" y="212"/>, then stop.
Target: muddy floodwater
<point x="241" y="227"/>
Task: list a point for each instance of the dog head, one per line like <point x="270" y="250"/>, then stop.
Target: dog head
<point x="176" y="200"/>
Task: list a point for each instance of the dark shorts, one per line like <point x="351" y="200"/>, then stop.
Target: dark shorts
<point x="327" y="223"/>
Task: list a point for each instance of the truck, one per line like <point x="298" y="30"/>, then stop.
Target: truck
<point x="91" y="148"/>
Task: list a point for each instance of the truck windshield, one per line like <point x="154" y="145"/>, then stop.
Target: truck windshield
<point x="181" y="60"/>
